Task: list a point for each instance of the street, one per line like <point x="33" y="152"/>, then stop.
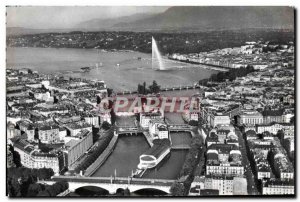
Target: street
<point x="251" y="185"/>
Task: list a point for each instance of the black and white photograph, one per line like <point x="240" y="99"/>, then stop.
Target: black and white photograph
<point x="131" y="101"/>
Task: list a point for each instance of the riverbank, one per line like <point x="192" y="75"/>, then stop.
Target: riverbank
<point x="212" y="66"/>
<point x="103" y="157"/>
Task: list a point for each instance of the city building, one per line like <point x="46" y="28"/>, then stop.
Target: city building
<point x="250" y="118"/>
<point x="146" y="117"/>
<point x="274" y="127"/>
<point x="48" y="133"/>
<point x="226" y="185"/>
<point x="224" y="159"/>
<point x="158" y="129"/>
<point x="218" y="118"/>
<point x="76" y="127"/>
<point x="77" y="146"/>
<point x="32" y="157"/>
<point x="276" y="186"/>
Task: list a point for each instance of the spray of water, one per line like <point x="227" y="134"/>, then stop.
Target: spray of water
<point x="156" y="56"/>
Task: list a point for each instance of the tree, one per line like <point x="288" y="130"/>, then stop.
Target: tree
<point x="193" y="123"/>
<point x="14" y="189"/>
<point x="34" y="189"/>
<point x="98" y="100"/>
<point x="177" y="189"/>
<point x="154" y="88"/>
<point x="280" y="134"/>
<point x="105" y="125"/>
<point x="43" y="194"/>
<point x="292" y="121"/>
<point x="144" y="88"/>
<point x="109" y="92"/>
<point x="45" y="173"/>
<point x="17" y="159"/>
<point x="140" y="89"/>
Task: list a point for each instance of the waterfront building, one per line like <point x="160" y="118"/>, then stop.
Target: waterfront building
<point x="158" y="129"/>
<point x="77" y="146"/>
<point x="146" y="117"/>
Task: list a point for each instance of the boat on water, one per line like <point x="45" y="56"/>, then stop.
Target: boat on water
<point x="85" y="69"/>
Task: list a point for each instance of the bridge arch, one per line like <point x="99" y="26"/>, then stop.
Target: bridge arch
<point x="91" y="190"/>
<point x="75" y="186"/>
<point x="150" y="191"/>
<point x="159" y="188"/>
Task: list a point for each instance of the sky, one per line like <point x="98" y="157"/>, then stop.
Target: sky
<point x="59" y="17"/>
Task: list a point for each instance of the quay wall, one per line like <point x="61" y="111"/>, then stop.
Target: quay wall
<point x="102" y="158"/>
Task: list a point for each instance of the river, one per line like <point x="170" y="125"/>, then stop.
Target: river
<point x="125" y="158"/>
<point x="134" y="67"/>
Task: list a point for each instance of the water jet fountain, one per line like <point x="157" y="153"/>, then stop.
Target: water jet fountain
<point x="156" y="57"/>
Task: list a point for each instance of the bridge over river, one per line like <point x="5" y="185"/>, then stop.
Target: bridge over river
<point x="172" y="127"/>
<point x="112" y="184"/>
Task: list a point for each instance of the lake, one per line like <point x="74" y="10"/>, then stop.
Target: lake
<point x="120" y="70"/>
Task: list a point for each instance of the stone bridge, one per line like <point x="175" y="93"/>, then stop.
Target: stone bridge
<point x="182" y="146"/>
<point x="112" y="184"/>
<point x="135" y="130"/>
<point x="180" y="127"/>
<point x="128" y="129"/>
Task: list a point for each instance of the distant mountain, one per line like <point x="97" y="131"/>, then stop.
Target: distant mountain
<point x="108" y="23"/>
<point x="186" y="19"/>
<point x="21" y="30"/>
<point x="214" y="18"/>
